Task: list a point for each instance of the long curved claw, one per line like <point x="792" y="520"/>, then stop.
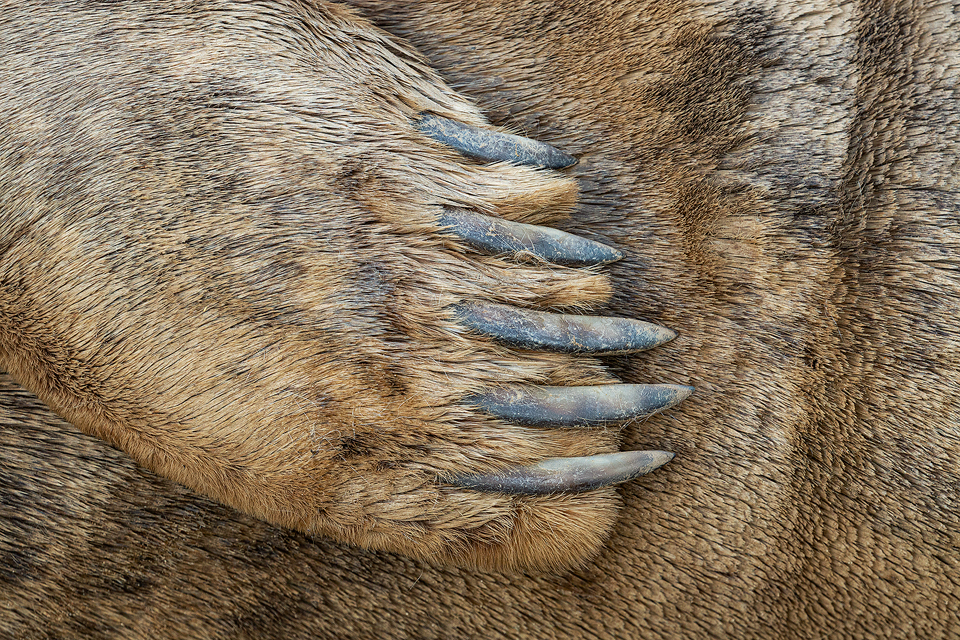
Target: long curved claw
<point x="567" y="474"/>
<point x="561" y="332"/>
<point x="493" y="146"/>
<point x="497" y="236"/>
<point x="579" y="406"/>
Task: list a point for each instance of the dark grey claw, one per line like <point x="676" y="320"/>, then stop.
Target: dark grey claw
<point x="492" y="146"/>
<point x="561" y="332"/>
<point x="579" y="406"/>
<point x="497" y="236"/>
<point x="568" y="475"/>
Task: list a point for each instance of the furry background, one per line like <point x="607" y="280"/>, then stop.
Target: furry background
<point x="783" y="177"/>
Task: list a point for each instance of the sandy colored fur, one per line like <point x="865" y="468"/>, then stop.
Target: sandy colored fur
<point x="293" y="358"/>
<point x="783" y="178"/>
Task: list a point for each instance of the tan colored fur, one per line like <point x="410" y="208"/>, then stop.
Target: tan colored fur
<point x="237" y="277"/>
<point x="784" y="180"/>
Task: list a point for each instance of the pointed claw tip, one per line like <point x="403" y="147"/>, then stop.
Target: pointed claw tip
<point x="564" y="160"/>
<point x="682" y="392"/>
<point x="662" y="457"/>
<point x="665" y="335"/>
<point x="647" y="461"/>
<point x="589" y="253"/>
<point x="615" y="255"/>
<point x="602" y="254"/>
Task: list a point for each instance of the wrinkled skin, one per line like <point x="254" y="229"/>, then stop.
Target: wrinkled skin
<point x="781" y="182"/>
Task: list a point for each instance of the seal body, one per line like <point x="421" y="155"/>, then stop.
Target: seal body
<point x="781" y="179"/>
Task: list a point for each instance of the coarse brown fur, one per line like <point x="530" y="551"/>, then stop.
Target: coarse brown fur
<point x="258" y="172"/>
<point x="782" y="178"/>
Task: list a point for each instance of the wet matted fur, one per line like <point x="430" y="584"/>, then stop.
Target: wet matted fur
<point x="783" y="181"/>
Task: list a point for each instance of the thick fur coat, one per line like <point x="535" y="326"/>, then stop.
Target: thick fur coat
<point x="781" y="177"/>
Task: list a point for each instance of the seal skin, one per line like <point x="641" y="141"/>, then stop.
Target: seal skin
<point x="782" y="180"/>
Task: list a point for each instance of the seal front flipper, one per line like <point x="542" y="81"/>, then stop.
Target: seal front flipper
<point x="294" y="298"/>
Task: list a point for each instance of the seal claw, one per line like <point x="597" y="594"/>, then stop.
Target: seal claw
<point x="567" y="475"/>
<point x="497" y="236"/>
<point x="493" y="146"/>
<point x="564" y="333"/>
<point x="579" y="406"/>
